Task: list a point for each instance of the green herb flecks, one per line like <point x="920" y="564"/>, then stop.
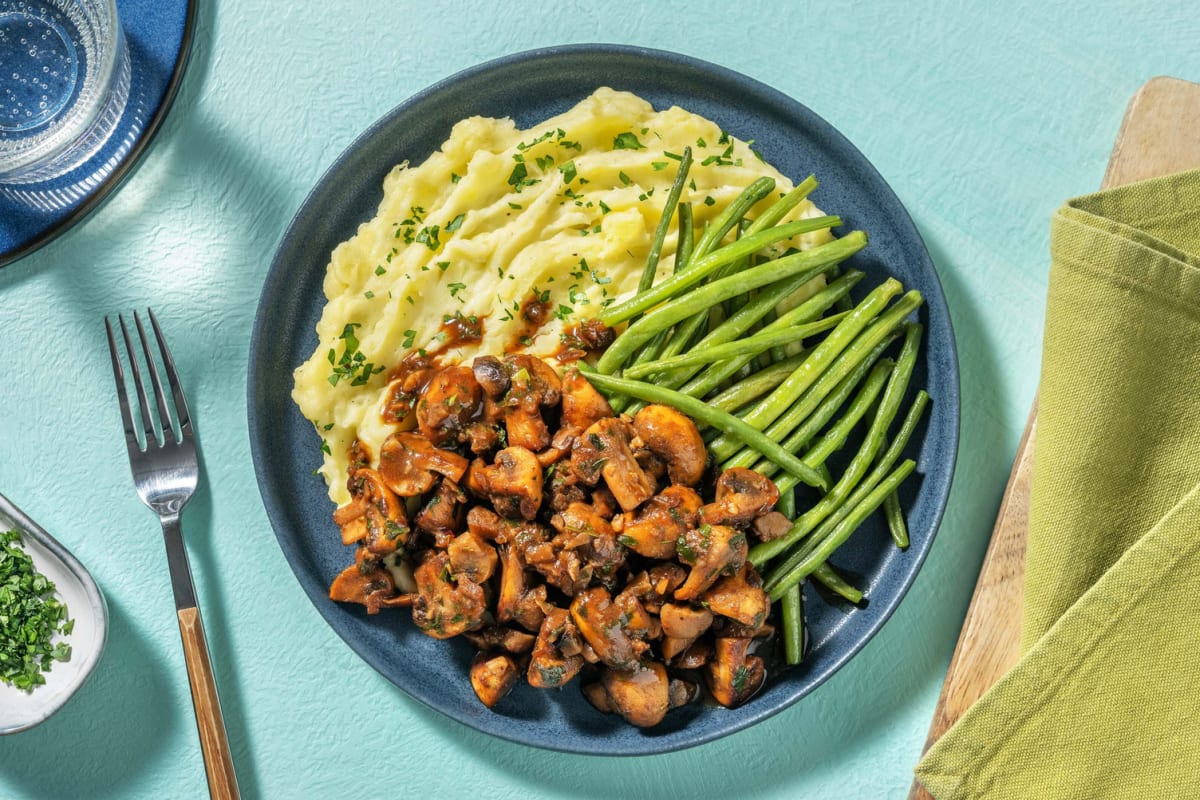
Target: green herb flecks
<point x="30" y="618"/>
<point x="352" y="365"/>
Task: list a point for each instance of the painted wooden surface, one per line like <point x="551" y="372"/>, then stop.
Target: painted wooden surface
<point x="1160" y="134"/>
<point x="983" y="117"/>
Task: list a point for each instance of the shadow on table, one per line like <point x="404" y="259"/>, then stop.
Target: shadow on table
<point x="112" y="730"/>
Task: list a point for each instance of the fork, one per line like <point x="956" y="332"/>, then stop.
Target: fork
<point x="166" y="471"/>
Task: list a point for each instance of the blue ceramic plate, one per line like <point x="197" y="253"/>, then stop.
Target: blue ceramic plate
<point x="531" y="87"/>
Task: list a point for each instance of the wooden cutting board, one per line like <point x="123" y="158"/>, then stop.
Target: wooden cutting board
<point x="1159" y="135"/>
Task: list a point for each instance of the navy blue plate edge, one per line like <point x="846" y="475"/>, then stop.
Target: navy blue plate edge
<point x="942" y="482"/>
<point x="106" y="187"/>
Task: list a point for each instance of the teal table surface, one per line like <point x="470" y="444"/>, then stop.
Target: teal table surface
<point x="982" y="118"/>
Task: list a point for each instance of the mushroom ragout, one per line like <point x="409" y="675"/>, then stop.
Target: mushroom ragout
<point x="561" y="539"/>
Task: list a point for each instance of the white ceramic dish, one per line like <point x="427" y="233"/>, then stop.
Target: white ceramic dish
<point x="20" y="710"/>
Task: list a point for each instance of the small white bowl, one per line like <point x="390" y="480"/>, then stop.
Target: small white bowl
<point x="21" y="710"/>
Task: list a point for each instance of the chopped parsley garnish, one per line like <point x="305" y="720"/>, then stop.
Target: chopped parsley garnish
<point x="455" y="223"/>
<point x="708" y="201"/>
<point x="627" y="141"/>
<point x="564" y="312"/>
<point x="455" y="177"/>
<point x="443" y="265"/>
<point x="545" y="162"/>
<point x="624" y="178"/>
<point x="455" y="288"/>
<point x="658" y="165"/>
<point x="409" y="337"/>
<point x="568" y="171"/>
<point x="30" y="617"/>
<point x="604" y="209"/>
<point x="352" y="365"/>
<point x="428" y="236"/>
<point x="380" y="270"/>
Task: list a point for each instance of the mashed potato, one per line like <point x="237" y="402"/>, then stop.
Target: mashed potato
<point x="565" y="210"/>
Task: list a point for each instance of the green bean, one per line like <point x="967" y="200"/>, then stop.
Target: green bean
<point x="685" y="241"/>
<point x="895" y="520"/>
<point x="828" y="577"/>
<point x="824" y="412"/>
<point x="750" y="345"/>
<point x="846" y="492"/>
<point x="786" y="504"/>
<point x="780" y="208"/>
<point x="793" y="626"/>
<point x="812" y="307"/>
<point x="664" y="222"/>
<point x="776" y="403"/>
<point x="702" y="414"/>
<point x="806" y="262"/>
<point x="825" y="547"/>
<point x="702" y="265"/>
<point x="889" y="404"/>
<point x="756" y="385"/>
<point x="879" y="330"/>
<point x="724" y="222"/>
<point x="836" y="436"/>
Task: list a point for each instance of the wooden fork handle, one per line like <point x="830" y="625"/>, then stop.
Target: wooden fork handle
<point x="214" y="743"/>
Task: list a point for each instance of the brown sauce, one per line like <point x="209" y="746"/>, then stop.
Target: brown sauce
<point x="534" y="313"/>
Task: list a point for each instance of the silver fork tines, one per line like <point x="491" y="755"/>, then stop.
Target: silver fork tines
<point x="163" y="459"/>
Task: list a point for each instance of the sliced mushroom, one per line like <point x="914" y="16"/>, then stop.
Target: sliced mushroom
<point x="533" y="383"/>
<point x="408" y="461"/>
<point x="493" y="676"/>
<point x="733" y="676"/>
<point x="514" y="483"/>
<point x="498" y="637"/>
<point x="447" y="403"/>
<point x="640" y="695"/>
<point x="682" y="625"/>
<point x="599" y="621"/>
<point x="603" y="451"/>
<point x="445" y="607"/>
<point x="684" y="622"/>
<point x="485" y="523"/>
<point x="739" y="597"/>
<point x="674" y="437"/>
<point x="771" y="526"/>
<point x="582" y="405"/>
<point x="533" y="386"/>
<point x="472" y="557"/>
<point x="491" y="375"/>
<point x="584" y="551"/>
<point x="653" y="529"/>
<point x="366" y="581"/>
<point x="695" y="656"/>
<point x="515" y="602"/>
<point x="682" y="693"/>
<point x="549" y="666"/>
<point x="713" y="551"/>
<point x="527" y="429"/>
<point x="742" y="494"/>
<point x="381" y="523"/>
<point x="597" y="695"/>
<point x="440" y="516"/>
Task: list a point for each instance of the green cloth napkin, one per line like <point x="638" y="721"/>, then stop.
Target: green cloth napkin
<point x="1105" y="701"/>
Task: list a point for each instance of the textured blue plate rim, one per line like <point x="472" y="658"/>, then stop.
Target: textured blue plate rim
<point x="102" y="190"/>
<point x="947" y="401"/>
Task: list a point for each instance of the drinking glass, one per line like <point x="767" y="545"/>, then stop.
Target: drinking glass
<point x="64" y="83"/>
